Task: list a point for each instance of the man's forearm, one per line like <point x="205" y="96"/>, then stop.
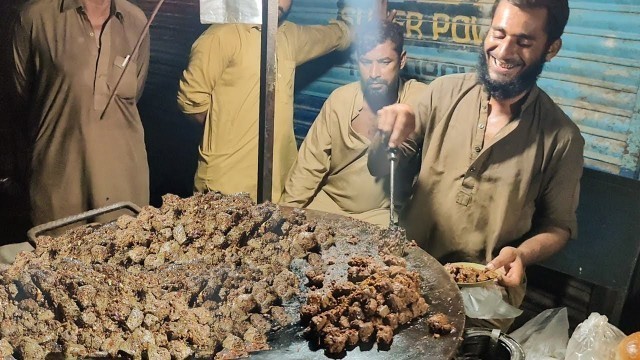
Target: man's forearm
<point x="535" y="249"/>
<point x="543" y="245"/>
<point x="301" y="187"/>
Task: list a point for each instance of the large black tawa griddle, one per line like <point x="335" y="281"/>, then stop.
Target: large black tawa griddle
<point x="410" y="342"/>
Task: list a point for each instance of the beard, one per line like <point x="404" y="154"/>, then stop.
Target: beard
<point x="378" y="97"/>
<point x="508" y="89"/>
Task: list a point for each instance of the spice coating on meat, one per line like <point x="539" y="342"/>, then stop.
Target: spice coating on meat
<point x="370" y="306"/>
<point x="195" y="276"/>
<point x="207" y="277"/>
<point x="439" y="324"/>
<point x="465" y="274"/>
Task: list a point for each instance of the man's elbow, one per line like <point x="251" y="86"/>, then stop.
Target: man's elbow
<point x="199" y="118"/>
<point x="187" y="109"/>
<point x="561" y="235"/>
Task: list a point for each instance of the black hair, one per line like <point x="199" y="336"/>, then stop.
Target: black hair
<point x="557" y="14"/>
<point x="375" y="33"/>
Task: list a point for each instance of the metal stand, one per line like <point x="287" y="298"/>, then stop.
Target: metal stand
<point x="267" y="98"/>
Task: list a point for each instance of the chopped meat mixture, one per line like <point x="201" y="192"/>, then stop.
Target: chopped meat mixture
<point x="210" y="276"/>
<point x="464" y="274"/>
<point x="375" y="301"/>
<point x="439" y="324"/>
<point x="200" y="276"/>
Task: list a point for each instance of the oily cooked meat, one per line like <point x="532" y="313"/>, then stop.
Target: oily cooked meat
<point x="208" y="275"/>
<point x="376" y="299"/>
<point x="463" y="274"/>
<point x="439" y="324"/>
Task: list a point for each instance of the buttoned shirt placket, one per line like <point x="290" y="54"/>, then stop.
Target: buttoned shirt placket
<point x="479" y="154"/>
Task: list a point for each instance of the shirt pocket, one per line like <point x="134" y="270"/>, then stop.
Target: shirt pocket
<point x="129" y="84"/>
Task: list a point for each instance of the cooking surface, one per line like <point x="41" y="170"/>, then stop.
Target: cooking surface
<point x="411" y="342"/>
<point x="350" y="237"/>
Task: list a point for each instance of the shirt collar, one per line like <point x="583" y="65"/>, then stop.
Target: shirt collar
<point x="359" y="100"/>
<point x="75" y="4"/>
<point x="531" y="97"/>
<point x="522" y="104"/>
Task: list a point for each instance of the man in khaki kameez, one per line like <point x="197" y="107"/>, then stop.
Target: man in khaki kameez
<point x="220" y="89"/>
<point x="330" y="173"/>
<point x="68" y="57"/>
<point x="501" y="162"/>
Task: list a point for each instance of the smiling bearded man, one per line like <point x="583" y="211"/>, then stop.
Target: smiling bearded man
<point x="501" y="162"/>
<point x="505" y="89"/>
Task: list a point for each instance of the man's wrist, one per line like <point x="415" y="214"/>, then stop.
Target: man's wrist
<point x="521" y="254"/>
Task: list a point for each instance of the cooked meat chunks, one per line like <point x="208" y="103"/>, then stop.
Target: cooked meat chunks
<point x="439" y="324"/>
<point x="384" y="336"/>
<point x="376" y="299"/>
<point x="190" y="277"/>
<point x="465" y="274"/>
<point x="208" y="276"/>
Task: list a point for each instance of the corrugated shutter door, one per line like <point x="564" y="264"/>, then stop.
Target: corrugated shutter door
<point x="595" y="78"/>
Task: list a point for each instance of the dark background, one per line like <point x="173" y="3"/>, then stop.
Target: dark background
<point x="13" y="201"/>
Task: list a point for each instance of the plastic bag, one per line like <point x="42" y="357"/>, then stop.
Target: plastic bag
<point x="545" y="336"/>
<point x="486" y="302"/>
<point x="594" y="339"/>
<point x="231" y="11"/>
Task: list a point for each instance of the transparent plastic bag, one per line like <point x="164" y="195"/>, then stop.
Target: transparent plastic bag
<point x="594" y="339"/>
<point x="544" y="337"/>
<point x="487" y="302"/>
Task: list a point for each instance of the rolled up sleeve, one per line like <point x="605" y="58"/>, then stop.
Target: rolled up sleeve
<point x="210" y="55"/>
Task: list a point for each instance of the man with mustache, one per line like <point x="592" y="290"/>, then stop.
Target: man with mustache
<point x="330" y="173"/>
<point x="220" y="90"/>
<point x="501" y="162"/>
